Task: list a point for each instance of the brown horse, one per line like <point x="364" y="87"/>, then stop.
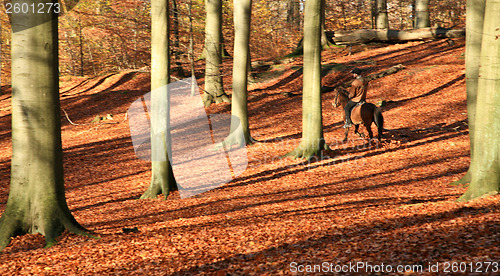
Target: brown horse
<point x="366" y="113"/>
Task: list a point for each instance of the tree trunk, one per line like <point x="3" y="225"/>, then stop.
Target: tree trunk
<point x="422" y="19"/>
<point x="177" y="50"/>
<point x="191" y="49"/>
<point x="325" y="41"/>
<point x="162" y="177"/>
<point x="312" y="141"/>
<point x="241" y="61"/>
<point x="370" y="35"/>
<point x="381" y="17"/>
<point x="214" y="92"/>
<point x="485" y="165"/>
<point x="36" y="202"/>
<point x="474" y="23"/>
<point x="293" y="15"/>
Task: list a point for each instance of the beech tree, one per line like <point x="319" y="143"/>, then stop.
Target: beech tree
<point x="485" y="147"/>
<point x="474" y="22"/>
<point x="162" y="176"/>
<point x="214" y="91"/>
<point x="241" y="63"/>
<point x="381" y="17"/>
<point x="293" y="15"/>
<point x="312" y="141"/>
<point x="422" y="19"/>
<point x="36" y="202"/>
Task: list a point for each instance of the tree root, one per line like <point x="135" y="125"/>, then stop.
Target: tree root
<point x="308" y="151"/>
<point x="464" y="181"/>
<point x="12" y="226"/>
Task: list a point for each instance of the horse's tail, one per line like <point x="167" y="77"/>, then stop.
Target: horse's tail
<point x="379" y="121"/>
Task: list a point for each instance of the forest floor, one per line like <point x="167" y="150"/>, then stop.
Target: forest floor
<point x="359" y="208"/>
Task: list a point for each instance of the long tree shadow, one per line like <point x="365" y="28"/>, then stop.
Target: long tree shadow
<point x="418" y="249"/>
<point x="294" y="75"/>
<point x="230" y="205"/>
<point x="392" y="104"/>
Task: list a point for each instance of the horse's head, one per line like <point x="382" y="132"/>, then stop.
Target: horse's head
<point x="340" y="97"/>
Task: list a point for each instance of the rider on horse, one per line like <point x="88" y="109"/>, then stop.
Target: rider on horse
<point x="357" y="94"/>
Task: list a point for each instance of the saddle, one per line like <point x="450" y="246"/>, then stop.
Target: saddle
<point x="360" y="103"/>
<point x="355" y="116"/>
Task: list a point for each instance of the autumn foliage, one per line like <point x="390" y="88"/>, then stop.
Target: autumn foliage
<point x="381" y="203"/>
<point x="373" y="203"/>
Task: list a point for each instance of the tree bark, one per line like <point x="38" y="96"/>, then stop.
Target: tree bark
<point x="214" y="92"/>
<point x="381" y="17"/>
<point x="474" y="23"/>
<point x="312" y="141"/>
<point x="422" y="19"/>
<point x="36" y="202"/>
<point x="162" y="177"/>
<point x="177" y="50"/>
<point x="485" y="164"/>
<point x="241" y="61"/>
<point x="370" y="35"/>
<point x="293" y="15"/>
<point x="191" y="48"/>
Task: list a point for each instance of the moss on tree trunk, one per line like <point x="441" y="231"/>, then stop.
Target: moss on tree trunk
<point x="312" y="141"/>
<point x="162" y="177"/>
<point x="36" y="202"/>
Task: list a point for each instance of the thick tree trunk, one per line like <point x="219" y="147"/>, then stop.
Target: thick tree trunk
<point x="214" y="92"/>
<point x="241" y="61"/>
<point x="474" y="23"/>
<point x="485" y="166"/>
<point x="422" y="19"/>
<point x="36" y="202"/>
<point x="162" y="177"/>
<point x="312" y="141"/>
<point x="370" y="35"/>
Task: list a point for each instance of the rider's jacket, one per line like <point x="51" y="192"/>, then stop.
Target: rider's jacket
<point x="357" y="91"/>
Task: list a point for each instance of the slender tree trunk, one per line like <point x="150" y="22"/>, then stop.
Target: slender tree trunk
<point x="325" y="43"/>
<point x="293" y="15"/>
<point x="162" y="177"/>
<point x="241" y="61"/>
<point x="82" y="65"/>
<point x="381" y="17"/>
<point x="474" y="23"/>
<point x="191" y="48"/>
<point x="36" y="202"/>
<point x="178" y="63"/>
<point x="214" y="92"/>
<point x="485" y="165"/>
<point x="312" y="141"/>
<point x="422" y="19"/>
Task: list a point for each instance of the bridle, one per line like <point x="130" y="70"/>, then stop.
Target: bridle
<point x="336" y="101"/>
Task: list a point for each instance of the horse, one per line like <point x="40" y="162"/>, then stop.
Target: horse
<point x="365" y="113"/>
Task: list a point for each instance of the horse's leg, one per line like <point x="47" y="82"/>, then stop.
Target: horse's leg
<point x="346" y="132"/>
<point x="356" y="130"/>
<point x="368" y="127"/>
